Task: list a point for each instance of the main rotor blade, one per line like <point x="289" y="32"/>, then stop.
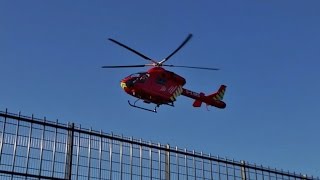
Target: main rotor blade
<point x="175" y="51"/>
<point x="134" y="51"/>
<point x="193" y="67"/>
<point x="129" y="66"/>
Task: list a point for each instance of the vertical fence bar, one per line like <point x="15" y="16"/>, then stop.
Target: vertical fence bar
<point x="131" y="158"/>
<point x="78" y="155"/>
<point x="15" y="146"/>
<point x="218" y="164"/>
<point x="186" y="163"/>
<point x="89" y="155"/>
<point x="177" y="163"/>
<point x="2" y="134"/>
<point x="121" y="159"/>
<point x="248" y="172"/>
<point x="203" y="176"/>
<point x="29" y="145"/>
<point x="110" y="157"/>
<point x="159" y="151"/>
<point x="66" y="159"/>
<point x="54" y="150"/>
<point x="255" y="171"/>
<point x="262" y="173"/>
<point x="211" y="168"/>
<point x="69" y="151"/>
<point x="234" y="169"/>
<point x="227" y="173"/>
<point x="100" y="155"/>
<point x="150" y="159"/>
<point x="167" y="163"/>
<point x="140" y="147"/>
<point x="41" y="146"/>
<point x="194" y="165"/>
<point x="269" y="173"/>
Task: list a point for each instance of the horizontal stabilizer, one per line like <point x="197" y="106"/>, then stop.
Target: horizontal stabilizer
<point x="197" y="103"/>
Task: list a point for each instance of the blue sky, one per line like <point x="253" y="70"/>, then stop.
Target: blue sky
<point x="268" y="51"/>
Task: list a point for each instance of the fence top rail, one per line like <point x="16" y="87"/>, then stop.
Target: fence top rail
<point x="149" y="144"/>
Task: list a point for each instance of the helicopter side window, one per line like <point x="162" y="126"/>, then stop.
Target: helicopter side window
<point x="136" y="75"/>
<point x="143" y="77"/>
<point x="161" y="79"/>
<point x="139" y="77"/>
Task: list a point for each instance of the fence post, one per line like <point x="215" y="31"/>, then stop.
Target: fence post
<point x="243" y="171"/>
<point x="68" y="171"/>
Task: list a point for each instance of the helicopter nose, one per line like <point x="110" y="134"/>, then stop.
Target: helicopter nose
<point x="123" y="85"/>
<point x="126" y="84"/>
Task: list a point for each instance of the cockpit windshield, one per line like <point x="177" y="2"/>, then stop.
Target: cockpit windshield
<point x="139" y="77"/>
<point x="135" y="75"/>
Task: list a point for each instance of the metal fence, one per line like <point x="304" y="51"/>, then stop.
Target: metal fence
<point x="32" y="148"/>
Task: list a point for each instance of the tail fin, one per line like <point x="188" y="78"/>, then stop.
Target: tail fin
<point x="219" y="94"/>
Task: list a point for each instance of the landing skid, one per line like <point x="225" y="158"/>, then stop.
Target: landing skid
<point x="151" y="110"/>
<point x="139" y="107"/>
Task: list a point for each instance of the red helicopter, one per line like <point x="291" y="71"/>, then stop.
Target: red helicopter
<point x="162" y="87"/>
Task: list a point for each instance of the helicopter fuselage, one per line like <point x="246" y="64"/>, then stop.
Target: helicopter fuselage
<point x="157" y="86"/>
<point x="160" y="86"/>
